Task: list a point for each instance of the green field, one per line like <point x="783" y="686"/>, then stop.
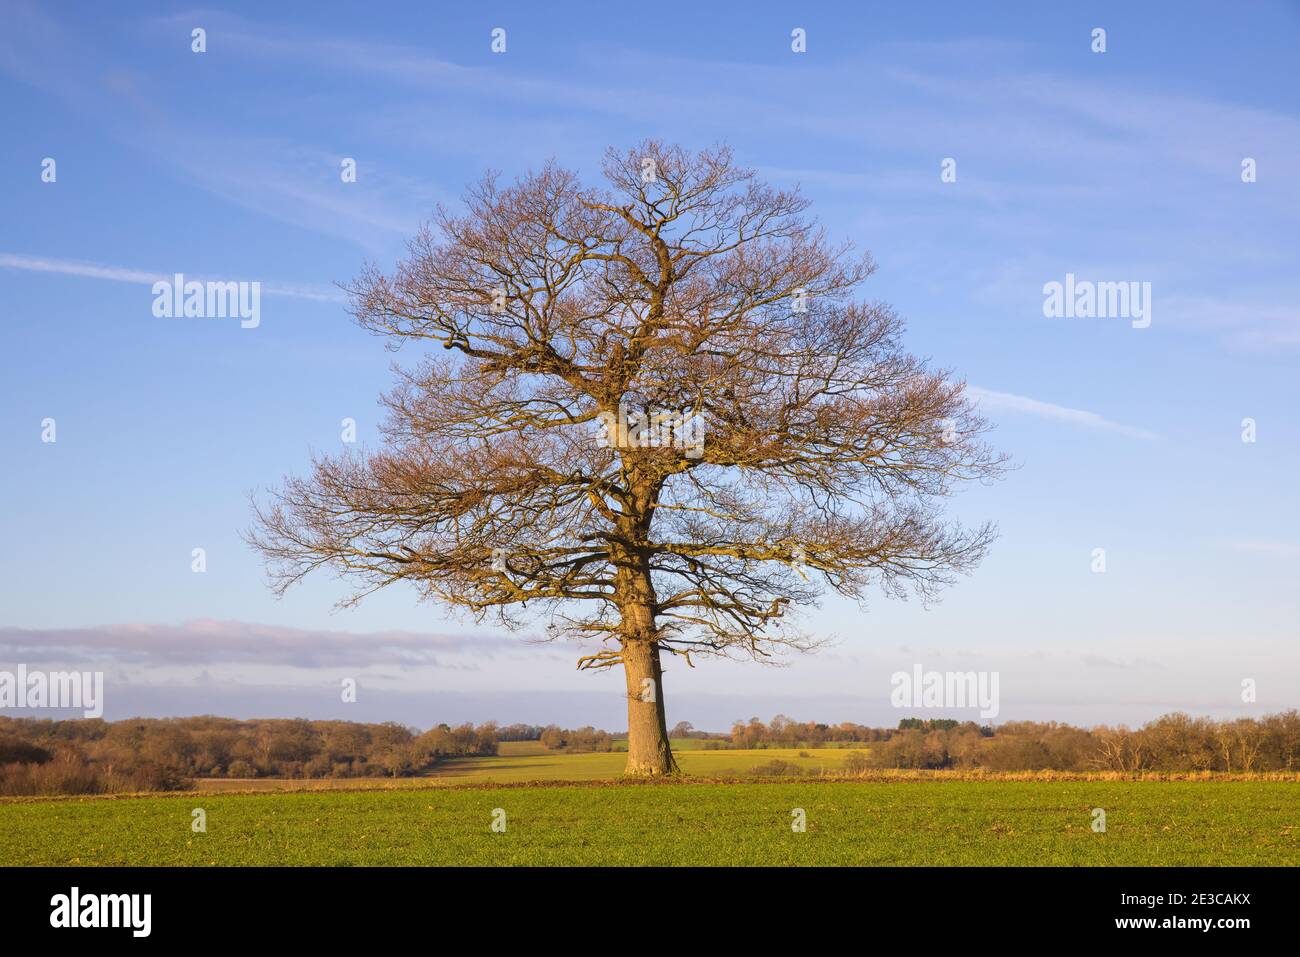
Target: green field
<point x="848" y="822"/>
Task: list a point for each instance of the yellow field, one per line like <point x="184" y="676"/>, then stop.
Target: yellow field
<point x="521" y="761"/>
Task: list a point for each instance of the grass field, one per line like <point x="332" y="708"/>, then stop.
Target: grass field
<point x="704" y="744"/>
<point x="848" y="822"/>
<point x="523" y="761"/>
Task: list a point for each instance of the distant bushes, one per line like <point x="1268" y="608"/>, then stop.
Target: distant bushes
<point x="782" y="732"/>
<point x="94" y="756"/>
<point x="556" y="738"/>
<point x="578" y="739"/>
<point x="68" y="773"/>
<point x="855" y="762"/>
<point x="777" y="769"/>
<point x="520" y="732"/>
<point x="1174" y="743"/>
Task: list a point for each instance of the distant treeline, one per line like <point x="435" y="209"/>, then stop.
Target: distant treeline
<point x="1175" y="742"/>
<point x="556" y="738"/>
<point x="783" y="732"/>
<point x="95" y="756"/>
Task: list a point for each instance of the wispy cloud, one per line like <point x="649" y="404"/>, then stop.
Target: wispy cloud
<point x="1005" y="401"/>
<point x="208" y="641"/>
<point x="292" y="180"/>
<point x="88" y="270"/>
<point x="1009" y="402"/>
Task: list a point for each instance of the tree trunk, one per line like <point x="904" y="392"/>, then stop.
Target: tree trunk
<point x="648" y="752"/>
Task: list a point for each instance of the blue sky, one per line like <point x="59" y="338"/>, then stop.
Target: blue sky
<point x="1115" y="166"/>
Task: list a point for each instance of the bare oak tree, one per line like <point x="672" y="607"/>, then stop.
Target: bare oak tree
<point x="659" y="421"/>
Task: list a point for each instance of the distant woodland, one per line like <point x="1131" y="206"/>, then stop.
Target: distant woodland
<point x="94" y="756"/>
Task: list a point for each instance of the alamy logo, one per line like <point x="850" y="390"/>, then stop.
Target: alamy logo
<point x="53" y="689"/>
<point x="1084" y="299"/>
<point x="208" y="300"/>
<point x="637" y="429"/>
<point x="103" y="910"/>
<point x="946" y="689"/>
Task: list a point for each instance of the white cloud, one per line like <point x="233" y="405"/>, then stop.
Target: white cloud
<point x="210" y="642"/>
<point x="72" y="267"/>
<point x="1047" y="410"/>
